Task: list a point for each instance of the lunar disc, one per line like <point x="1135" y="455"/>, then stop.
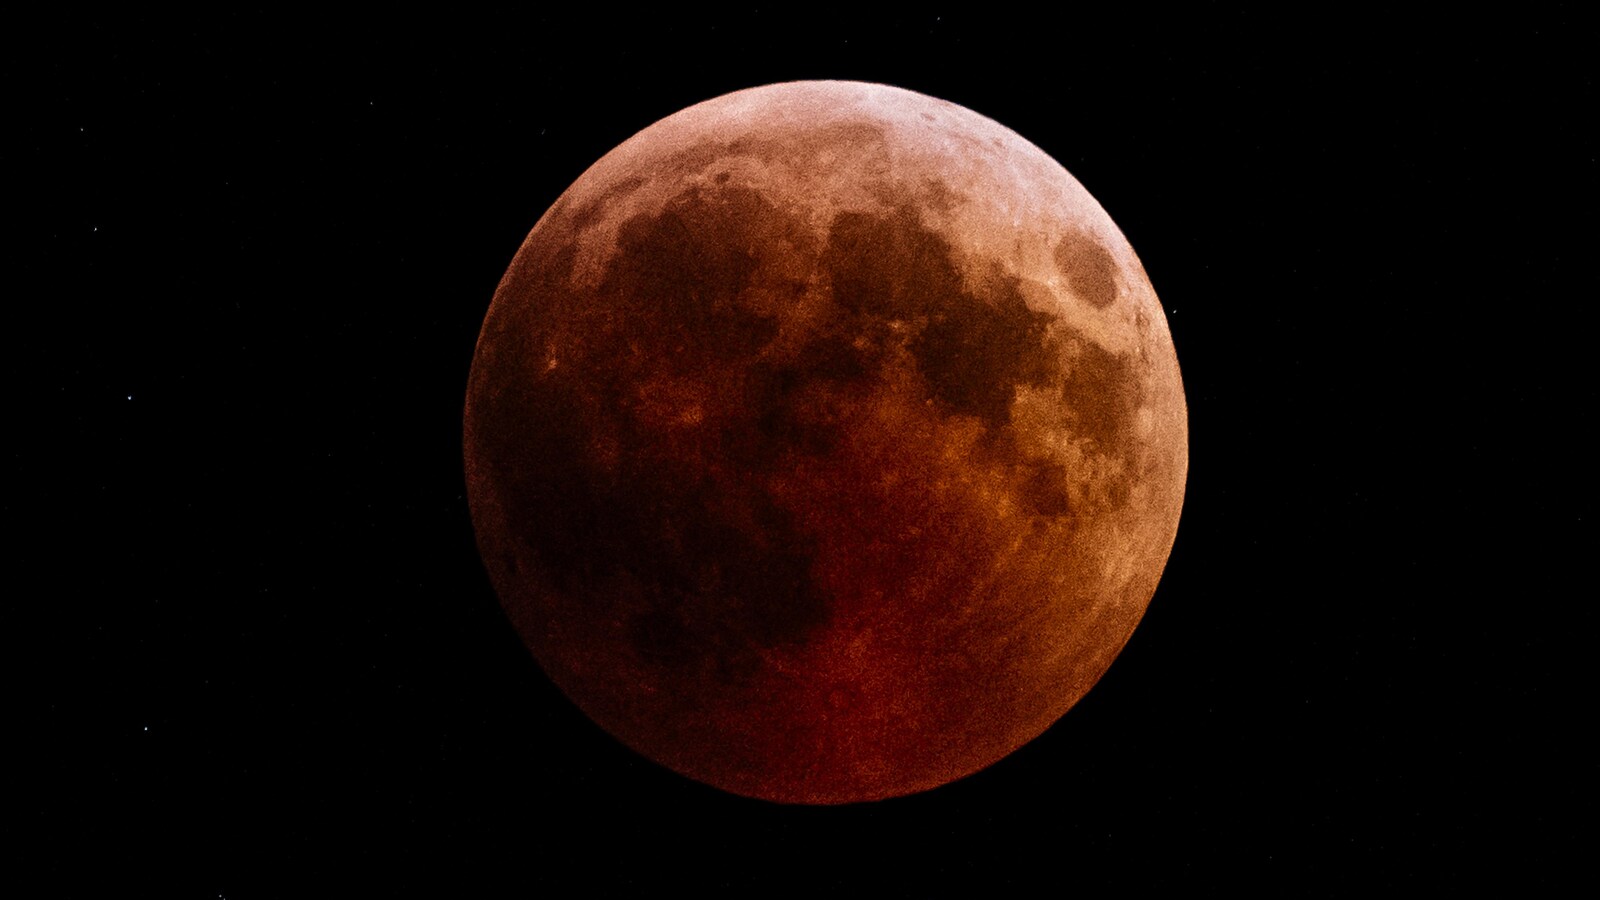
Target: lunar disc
<point x="825" y="442"/>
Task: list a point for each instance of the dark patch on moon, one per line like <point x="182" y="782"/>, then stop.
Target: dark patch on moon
<point x="699" y="566"/>
<point x="1046" y="490"/>
<point x="1102" y="391"/>
<point x="696" y="568"/>
<point x="792" y="404"/>
<point x="975" y="356"/>
<point x="687" y="268"/>
<point x="1089" y="269"/>
<point x="938" y="195"/>
<point x="974" y="351"/>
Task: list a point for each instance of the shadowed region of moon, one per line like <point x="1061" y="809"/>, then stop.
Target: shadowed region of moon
<point x="825" y="442"/>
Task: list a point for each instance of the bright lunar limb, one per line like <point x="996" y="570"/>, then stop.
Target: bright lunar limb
<point x="825" y="442"/>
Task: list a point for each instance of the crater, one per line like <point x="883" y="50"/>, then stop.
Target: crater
<point x="1090" y="271"/>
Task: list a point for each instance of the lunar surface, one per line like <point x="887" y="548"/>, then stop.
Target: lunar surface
<point x="825" y="442"/>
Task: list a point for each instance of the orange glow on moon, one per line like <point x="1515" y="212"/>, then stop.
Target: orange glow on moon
<point x="825" y="442"/>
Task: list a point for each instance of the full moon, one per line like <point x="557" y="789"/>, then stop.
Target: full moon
<point x="825" y="442"/>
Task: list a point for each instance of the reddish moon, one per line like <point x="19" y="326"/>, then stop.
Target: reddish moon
<point x="825" y="442"/>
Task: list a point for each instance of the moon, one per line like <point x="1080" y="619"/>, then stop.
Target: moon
<point x="825" y="442"/>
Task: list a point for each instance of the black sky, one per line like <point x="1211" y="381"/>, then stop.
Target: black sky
<point x="256" y="648"/>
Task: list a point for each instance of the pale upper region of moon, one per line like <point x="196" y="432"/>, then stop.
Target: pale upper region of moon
<point x="1011" y="202"/>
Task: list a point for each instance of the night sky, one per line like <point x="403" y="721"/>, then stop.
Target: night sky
<point x="256" y="654"/>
